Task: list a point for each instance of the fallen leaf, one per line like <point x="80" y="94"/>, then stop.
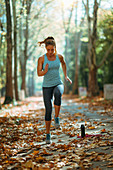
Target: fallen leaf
<point x="91" y="127"/>
<point x="28" y="164"/>
<point x="40" y="159"/>
<point x="103" y="130"/>
<point x="35" y="152"/>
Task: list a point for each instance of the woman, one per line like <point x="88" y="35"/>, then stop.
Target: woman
<point x="48" y="66"/>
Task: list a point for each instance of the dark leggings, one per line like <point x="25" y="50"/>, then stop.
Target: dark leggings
<point x="48" y="93"/>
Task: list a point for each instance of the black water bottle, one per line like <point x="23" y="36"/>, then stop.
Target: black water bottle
<point x="82" y="131"/>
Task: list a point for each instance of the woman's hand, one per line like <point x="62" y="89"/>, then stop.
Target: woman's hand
<point x="46" y="67"/>
<point x="68" y="79"/>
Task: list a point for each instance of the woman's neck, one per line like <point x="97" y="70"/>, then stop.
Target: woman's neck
<point x="50" y="56"/>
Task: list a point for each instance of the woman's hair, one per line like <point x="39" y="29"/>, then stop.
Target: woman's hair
<point x="48" y="41"/>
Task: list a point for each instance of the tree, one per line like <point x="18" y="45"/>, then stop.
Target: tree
<point x="77" y="48"/>
<point x="2" y="49"/>
<point x="23" y="60"/>
<point x="91" y="57"/>
<point x="15" y="50"/>
<point x="105" y="32"/>
<point x="66" y="25"/>
<point x="9" y="87"/>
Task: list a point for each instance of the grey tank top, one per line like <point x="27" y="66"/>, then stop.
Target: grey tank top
<point x="52" y="77"/>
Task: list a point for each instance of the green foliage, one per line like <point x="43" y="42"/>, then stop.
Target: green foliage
<point x="105" y="38"/>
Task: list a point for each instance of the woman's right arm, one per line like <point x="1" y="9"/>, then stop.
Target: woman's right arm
<point x="40" y="70"/>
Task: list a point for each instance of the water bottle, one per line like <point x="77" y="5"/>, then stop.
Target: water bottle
<point x="82" y="131"/>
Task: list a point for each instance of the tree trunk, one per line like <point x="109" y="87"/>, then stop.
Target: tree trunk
<point x="77" y="47"/>
<point x="33" y="84"/>
<point x="92" y="82"/>
<point x="21" y="39"/>
<point x="23" y="66"/>
<point x="93" y="89"/>
<point x="67" y="29"/>
<point x="75" y="85"/>
<point x="15" y="51"/>
<point x="23" y="75"/>
<point x="9" y="88"/>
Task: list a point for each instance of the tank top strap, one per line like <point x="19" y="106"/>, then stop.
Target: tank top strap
<point x="45" y="58"/>
<point x="57" y="57"/>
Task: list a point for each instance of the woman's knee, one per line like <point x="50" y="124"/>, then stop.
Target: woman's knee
<point x="57" y="93"/>
<point x="48" y="117"/>
<point x="57" y="97"/>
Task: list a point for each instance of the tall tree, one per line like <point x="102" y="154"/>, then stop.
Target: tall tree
<point x="15" y="50"/>
<point x="66" y="25"/>
<point x="91" y="57"/>
<point x="77" y="47"/>
<point x="23" y="38"/>
<point x="9" y="87"/>
<point x="2" y="49"/>
<point x="23" y="63"/>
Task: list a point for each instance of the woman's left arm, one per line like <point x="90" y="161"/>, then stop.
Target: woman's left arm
<point x="64" y="68"/>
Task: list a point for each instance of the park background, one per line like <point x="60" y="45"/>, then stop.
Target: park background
<point x="83" y="31"/>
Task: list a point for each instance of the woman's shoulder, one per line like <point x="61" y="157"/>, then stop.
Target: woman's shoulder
<point x="41" y="58"/>
<point x="60" y="57"/>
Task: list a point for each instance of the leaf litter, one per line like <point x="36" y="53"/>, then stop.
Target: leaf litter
<point x="22" y="136"/>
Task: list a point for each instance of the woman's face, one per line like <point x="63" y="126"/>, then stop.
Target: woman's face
<point x="50" y="50"/>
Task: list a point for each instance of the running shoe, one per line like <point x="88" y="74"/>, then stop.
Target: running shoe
<point x="48" y="138"/>
<point x="57" y="122"/>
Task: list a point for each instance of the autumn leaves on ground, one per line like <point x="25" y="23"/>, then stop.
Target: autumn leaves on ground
<point x="22" y="135"/>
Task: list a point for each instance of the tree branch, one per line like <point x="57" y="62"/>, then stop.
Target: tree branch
<point x="106" y="55"/>
<point x="71" y="12"/>
<point x="84" y="5"/>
